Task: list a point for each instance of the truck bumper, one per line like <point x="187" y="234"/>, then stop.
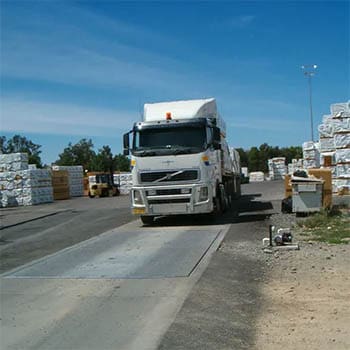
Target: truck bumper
<point x="172" y="200"/>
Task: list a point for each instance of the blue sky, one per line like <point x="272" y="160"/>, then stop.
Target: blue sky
<point x="84" y="69"/>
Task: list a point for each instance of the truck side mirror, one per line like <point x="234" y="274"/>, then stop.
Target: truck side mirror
<point x="126" y="144"/>
<point x="216" y="138"/>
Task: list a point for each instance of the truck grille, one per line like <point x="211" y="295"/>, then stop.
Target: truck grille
<point x="169" y="176"/>
<point x="169" y="201"/>
<point x="167" y="192"/>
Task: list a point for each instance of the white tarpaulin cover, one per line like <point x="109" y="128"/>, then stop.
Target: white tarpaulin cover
<point x="202" y="108"/>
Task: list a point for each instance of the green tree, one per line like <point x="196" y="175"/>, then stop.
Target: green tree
<point x="2" y="144"/>
<point x="103" y="161"/>
<point x="20" y="144"/>
<point x="253" y="159"/>
<point x="122" y="163"/>
<point x="82" y="153"/>
<point x="243" y="155"/>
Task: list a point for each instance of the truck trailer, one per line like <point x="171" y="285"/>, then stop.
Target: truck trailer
<point x="180" y="161"/>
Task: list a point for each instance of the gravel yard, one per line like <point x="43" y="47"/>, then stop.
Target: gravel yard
<point x="306" y="295"/>
<point x="248" y="299"/>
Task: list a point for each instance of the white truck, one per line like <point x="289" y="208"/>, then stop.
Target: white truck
<point x="180" y="161"/>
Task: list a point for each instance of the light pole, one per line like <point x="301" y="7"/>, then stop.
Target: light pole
<point x="309" y="72"/>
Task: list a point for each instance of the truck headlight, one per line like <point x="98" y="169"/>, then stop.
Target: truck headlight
<point x="203" y="194"/>
<point x="137" y="197"/>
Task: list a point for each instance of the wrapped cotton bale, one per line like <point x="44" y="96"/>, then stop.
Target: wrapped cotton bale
<point x="325" y="130"/>
<point x="125" y="182"/>
<point x="338" y="108"/>
<point x="341" y="186"/>
<point x="341" y="125"/>
<point x="13" y="162"/>
<point x="76" y="178"/>
<point x="327" y="144"/>
<point x="342" y="140"/>
<point x="308" y="145"/>
<point x="342" y="155"/>
<point x="343" y="171"/>
<point x="277" y="168"/>
<point x="256" y="176"/>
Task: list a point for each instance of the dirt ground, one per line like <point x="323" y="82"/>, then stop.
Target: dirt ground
<point x="306" y="297"/>
<point x="251" y="300"/>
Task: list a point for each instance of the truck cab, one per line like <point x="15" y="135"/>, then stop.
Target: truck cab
<point x="179" y="163"/>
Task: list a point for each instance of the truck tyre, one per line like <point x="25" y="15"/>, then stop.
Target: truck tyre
<point x="147" y="220"/>
<point x="90" y="195"/>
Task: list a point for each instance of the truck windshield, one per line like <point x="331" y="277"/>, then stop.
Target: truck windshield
<point x="172" y="140"/>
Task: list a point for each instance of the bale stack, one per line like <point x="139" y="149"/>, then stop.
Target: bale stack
<point x="125" y="182"/>
<point x="335" y="146"/>
<point x="76" y="178"/>
<point x="60" y="184"/>
<point x="295" y="165"/>
<point x="311" y="155"/>
<point x="22" y="186"/>
<point x="13" y="162"/>
<point x="277" y="168"/>
<point x="256" y="176"/>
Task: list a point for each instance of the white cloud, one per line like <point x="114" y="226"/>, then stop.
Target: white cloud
<point x="241" y="21"/>
<point x="265" y="124"/>
<point x="89" y="52"/>
<point x="23" y="115"/>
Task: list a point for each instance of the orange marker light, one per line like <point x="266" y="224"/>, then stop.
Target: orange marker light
<point x="168" y="116"/>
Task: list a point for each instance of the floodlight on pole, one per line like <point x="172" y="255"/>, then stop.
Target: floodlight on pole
<point x="309" y="72"/>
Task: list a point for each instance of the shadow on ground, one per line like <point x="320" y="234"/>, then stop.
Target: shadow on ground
<point x="221" y="310"/>
<point x="245" y="209"/>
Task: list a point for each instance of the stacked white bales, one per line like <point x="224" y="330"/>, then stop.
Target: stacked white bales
<point x="311" y="155"/>
<point x="295" y="165"/>
<point x="76" y="178"/>
<point x="21" y="186"/>
<point x="256" y="176"/>
<point x="335" y="145"/>
<point x="125" y="182"/>
<point x="277" y="168"/>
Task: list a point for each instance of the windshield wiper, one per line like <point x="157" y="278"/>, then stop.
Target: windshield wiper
<point x="145" y="153"/>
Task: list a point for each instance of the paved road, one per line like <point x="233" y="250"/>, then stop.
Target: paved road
<point x="121" y="289"/>
<point x="37" y="231"/>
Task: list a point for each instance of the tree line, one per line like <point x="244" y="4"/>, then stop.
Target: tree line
<point x="255" y="159"/>
<point x="83" y="153"/>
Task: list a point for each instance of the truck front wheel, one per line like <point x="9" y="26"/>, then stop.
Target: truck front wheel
<point x="147" y="220"/>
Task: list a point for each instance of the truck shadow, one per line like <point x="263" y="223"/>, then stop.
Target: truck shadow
<point x="244" y="209"/>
